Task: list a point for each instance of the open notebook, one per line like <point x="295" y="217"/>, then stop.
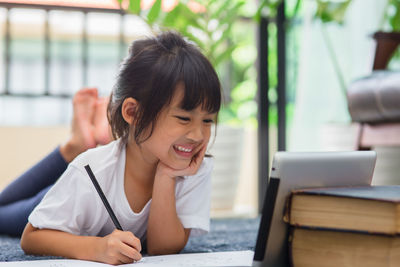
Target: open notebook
<point x="231" y="258"/>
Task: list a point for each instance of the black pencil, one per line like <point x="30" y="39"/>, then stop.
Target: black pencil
<point x="103" y="197"/>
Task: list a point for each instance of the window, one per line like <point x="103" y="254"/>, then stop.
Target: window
<point x="53" y="52"/>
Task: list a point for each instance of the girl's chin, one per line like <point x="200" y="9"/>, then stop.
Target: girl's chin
<point x="178" y="165"/>
<point x="181" y="166"/>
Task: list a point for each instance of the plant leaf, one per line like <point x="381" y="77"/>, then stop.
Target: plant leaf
<point x="221" y="57"/>
<point x="395" y="19"/>
<point x="154" y="12"/>
<point x="331" y="11"/>
<point x="223" y="7"/>
<point x="134" y="6"/>
<point x="181" y="17"/>
<point x="272" y="6"/>
<point x="296" y="8"/>
<point x="224" y="38"/>
<point x="262" y="5"/>
<point x="171" y="17"/>
<point x="231" y="14"/>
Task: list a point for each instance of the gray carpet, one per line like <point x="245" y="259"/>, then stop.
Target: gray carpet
<point x="224" y="235"/>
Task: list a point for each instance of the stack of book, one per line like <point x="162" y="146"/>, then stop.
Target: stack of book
<point x="352" y="226"/>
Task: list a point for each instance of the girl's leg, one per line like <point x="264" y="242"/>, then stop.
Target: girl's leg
<point x="48" y="170"/>
<point x="82" y="126"/>
<point x="22" y="195"/>
<point x="43" y="174"/>
<point x="14" y="216"/>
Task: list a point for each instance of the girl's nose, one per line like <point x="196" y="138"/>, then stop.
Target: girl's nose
<point x="196" y="134"/>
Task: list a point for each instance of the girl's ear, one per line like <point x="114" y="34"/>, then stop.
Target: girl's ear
<point x="129" y="107"/>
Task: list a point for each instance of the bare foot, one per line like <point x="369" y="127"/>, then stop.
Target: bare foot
<point x="102" y="129"/>
<point x="82" y="128"/>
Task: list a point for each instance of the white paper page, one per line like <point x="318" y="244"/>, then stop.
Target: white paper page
<point x="53" y="263"/>
<point x="230" y="258"/>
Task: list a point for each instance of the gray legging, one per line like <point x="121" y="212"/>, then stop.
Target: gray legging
<point x="20" y="197"/>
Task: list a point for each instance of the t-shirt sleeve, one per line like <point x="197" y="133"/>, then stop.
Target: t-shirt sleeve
<point x="193" y="197"/>
<point x="65" y="207"/>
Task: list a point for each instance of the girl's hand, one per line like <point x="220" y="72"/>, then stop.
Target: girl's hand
<point x="189" y="170"/>
<point x="119" y="247"/>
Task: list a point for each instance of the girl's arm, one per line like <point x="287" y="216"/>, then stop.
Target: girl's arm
<point x="116" y="248"/>
<point x="165" y="232"/>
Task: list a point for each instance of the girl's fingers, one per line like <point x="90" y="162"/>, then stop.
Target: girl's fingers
<point x="136" y="256"/>
<point x="199" y="153"/>
<point x="122" y="259"/>
<point x="128" y="247"/>
<point x="131" y="240"/>
<point x="197" y="159"/>
<point x="130" y="252"/>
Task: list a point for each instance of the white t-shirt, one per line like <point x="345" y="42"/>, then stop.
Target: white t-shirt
<point x="73" y="205"/>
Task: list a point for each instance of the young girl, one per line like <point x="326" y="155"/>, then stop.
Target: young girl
<point x="154" y="175"/>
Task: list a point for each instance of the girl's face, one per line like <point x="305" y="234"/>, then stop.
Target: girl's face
<point x="178" y="134"/>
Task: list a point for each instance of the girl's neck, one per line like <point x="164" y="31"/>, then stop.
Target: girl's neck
<point x="139" y="167"/>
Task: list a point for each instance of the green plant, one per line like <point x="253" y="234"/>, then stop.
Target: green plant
<point x="211" y="27"/>
<point x="391" y="16"/>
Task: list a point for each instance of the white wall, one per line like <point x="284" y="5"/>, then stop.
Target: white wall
<point x="319" y="97"/>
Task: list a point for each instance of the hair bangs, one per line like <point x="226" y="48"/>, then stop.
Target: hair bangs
<point x="201" y="85"/>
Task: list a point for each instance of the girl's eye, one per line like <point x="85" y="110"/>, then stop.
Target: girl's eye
<point x="208" y="120"/>
<point x="183" y="118"/>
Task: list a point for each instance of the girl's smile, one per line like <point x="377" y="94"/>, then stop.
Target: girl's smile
<point x="184" y="151"/>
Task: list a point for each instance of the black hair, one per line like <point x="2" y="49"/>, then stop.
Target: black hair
<point x="150" y="74"/>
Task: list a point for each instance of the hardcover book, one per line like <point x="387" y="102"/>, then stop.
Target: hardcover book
<point x="325" y="248"/>
<point x="373" y="209"/>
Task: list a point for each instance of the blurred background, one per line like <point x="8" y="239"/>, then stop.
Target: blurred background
<point x="285" y="68"/>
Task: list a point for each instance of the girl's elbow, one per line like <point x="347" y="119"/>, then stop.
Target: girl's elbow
<point x="157" y="246"/>
<point x="25" y="245"/>
<point x="26" y="239"/>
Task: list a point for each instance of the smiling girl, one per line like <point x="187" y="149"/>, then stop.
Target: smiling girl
<point x="155" y="175"/>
